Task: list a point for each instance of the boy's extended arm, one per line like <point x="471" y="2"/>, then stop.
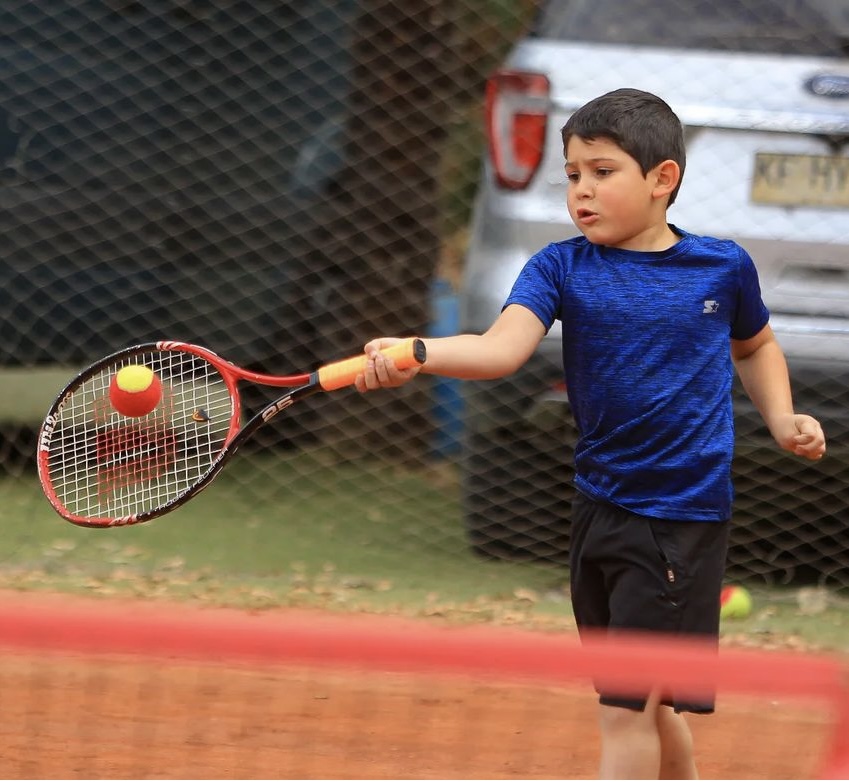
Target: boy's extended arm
<point x="506" y="346"/>
<point x="762" y="368"/>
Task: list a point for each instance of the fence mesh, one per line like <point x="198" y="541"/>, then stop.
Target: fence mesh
<point x="280" y="182"/>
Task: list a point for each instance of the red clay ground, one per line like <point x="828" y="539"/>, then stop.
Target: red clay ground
<point x="83" y="716"/>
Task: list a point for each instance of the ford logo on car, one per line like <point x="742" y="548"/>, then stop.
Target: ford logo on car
<point x="829" y="85"/>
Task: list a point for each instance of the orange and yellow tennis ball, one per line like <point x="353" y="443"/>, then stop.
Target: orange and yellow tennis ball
<point x="735" y="602"/>
<point x="135" y="390"/>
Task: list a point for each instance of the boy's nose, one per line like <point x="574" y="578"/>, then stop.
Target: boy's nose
<point x="583" y="189"/>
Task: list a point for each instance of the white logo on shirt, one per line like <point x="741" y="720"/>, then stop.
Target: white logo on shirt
<point x="711" y="306"/>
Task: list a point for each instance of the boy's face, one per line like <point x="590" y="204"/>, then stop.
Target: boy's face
<point x="609" y="199"/>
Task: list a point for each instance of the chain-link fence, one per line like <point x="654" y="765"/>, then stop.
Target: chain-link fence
<point x="280" y="182"/>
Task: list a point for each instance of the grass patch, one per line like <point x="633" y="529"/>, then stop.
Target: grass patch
<point x="350" y="537"/>
<point x="303" y="530"/>
<point x="26" y="393"/>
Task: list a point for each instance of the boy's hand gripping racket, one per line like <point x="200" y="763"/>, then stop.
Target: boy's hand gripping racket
<point x="99" y="468"/>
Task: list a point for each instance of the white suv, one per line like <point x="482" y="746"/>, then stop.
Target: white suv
<point x="762" y="87"/>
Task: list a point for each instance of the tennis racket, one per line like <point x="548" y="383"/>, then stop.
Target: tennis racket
<point x="99" y="468"/>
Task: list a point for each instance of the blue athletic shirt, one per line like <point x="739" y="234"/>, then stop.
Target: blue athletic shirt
<point x="648" y="366"/>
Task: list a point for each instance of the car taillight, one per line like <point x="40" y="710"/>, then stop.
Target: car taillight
<point x="516" y="119"/>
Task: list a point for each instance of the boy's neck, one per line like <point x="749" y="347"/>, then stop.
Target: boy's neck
<point x="655" y="238"/>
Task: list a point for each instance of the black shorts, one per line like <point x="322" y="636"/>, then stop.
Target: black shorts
<point x="631" y="572"/>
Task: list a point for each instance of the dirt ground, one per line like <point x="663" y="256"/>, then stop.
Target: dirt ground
<point x="75" y="716"/>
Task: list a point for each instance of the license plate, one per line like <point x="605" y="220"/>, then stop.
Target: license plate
<point x="801" y="180"/>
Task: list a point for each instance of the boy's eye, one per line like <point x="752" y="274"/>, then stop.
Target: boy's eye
<point x="573" y="176"/>
<point x="603" y="172"/>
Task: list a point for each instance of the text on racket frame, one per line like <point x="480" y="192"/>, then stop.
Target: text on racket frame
<point x="277" y="407"/>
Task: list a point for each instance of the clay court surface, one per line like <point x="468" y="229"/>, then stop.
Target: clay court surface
<point x="82" y="715"/>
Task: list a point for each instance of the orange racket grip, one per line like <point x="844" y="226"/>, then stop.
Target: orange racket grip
<point x="409" y="353"/>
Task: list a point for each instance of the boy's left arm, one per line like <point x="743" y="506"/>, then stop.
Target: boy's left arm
<point x="763" y="371"/>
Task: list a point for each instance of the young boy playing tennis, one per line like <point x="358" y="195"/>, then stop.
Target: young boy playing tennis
<point x="654" y="322"/>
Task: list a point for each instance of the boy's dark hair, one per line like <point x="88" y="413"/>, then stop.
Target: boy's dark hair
<point x="640" y="123"/>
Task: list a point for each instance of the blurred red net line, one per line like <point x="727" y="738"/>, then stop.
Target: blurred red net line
<point x="378" y="643"/>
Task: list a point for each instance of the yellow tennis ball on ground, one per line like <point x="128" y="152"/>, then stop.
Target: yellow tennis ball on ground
<point x="735" y="602"/>
<point x="135" y="390"/>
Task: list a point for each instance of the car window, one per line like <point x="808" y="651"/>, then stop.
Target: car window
<point x="801" y="27"/>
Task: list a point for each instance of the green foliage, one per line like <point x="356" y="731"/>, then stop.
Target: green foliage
<point x="487" y="30"/>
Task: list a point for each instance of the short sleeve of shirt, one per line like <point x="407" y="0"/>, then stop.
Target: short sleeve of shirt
<point x="538" y="286"/>
<point x="751" y="315"/>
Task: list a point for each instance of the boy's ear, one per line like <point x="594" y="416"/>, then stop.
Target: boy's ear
<point x="666" y="175"/>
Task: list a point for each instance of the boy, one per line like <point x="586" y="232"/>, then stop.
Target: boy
<point x="654" y="322"/>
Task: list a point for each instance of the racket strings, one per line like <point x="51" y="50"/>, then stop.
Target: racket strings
<point x="105" y="465"/>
